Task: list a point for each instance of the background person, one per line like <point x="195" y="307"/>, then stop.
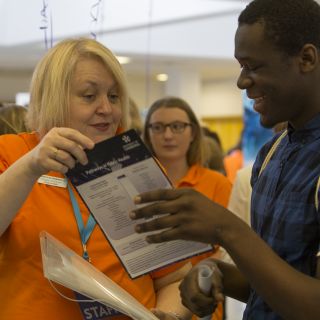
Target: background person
<point x="277" y="44"/>
<point x="12" y="119"/>
<point x="78" y="98"/>
<point x="173" y="134"/>
<point x="213" y="151"/>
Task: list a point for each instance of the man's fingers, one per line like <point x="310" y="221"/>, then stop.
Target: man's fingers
<point x="156" y="224"/>
<point x="157" y="195"/>
<point x="164" y="236"/>
<point x="219" y="297"/>
<point x="149" y="211"/>
<point x="155" y="209"/>
<point x="192" y="297"/>
<point x="217" y="292"/>
<point x="201" y="305"/>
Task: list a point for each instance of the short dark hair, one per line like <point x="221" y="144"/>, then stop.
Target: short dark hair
<point x="289" y="24"/>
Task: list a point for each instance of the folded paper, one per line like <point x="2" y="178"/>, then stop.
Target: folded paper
<point x="64" y="266"/>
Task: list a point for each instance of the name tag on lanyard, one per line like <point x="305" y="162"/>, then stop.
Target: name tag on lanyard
<point x="92" y="310"/>
<point x="53" y="181"/>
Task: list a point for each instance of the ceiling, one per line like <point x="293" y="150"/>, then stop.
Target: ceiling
<point x="156" y="34"/>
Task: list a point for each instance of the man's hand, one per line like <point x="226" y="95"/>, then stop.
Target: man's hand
<point x="185" y="213"/>
<point x="191" y="295"/>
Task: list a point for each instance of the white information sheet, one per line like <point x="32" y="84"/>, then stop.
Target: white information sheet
<point x="120" y="168"/>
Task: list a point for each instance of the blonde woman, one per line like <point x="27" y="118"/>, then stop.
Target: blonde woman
<point x="78" y="98"/>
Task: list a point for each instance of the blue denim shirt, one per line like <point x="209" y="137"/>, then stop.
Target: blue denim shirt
<point x="283" y="211"/>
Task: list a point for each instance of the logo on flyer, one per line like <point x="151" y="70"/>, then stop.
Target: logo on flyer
<point x="126" y="139"/>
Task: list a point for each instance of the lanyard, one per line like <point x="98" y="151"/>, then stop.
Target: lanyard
<point x="84" y="231"/>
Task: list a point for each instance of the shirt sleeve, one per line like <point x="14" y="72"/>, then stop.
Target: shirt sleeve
<point x="4" y="156"/>
<point x="12" y="147"/>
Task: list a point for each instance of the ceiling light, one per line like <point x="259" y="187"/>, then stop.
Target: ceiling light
<point x="162" y="77"/>
<point x="123" y="60"/>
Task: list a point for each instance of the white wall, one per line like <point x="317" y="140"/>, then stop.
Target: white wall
<point x="139" y="85"/>
<point x="221" y="99"/>
<point x="218" y="98"/>
<point x="13" y="82"/>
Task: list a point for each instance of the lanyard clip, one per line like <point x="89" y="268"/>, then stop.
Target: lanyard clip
<point x="85" y="253"/>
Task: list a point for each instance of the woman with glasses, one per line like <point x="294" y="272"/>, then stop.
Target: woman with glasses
<point x="174" y="136"/>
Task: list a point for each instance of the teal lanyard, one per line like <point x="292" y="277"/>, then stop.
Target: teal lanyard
<point x="84" y="231"/>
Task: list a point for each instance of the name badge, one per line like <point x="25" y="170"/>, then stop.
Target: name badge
<point x="96" y="311"/>
<point x="53" y="181"/>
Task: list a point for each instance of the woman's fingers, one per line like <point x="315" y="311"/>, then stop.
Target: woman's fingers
<point x="64" y="158"/>
<point x="53" y="165"/>
<point x="72" y="142"/>
<point x="59" y="150"/>
<point x="74" y="135"/>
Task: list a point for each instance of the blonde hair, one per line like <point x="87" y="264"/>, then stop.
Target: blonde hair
<point x="12" y="119"/>
<point x="51" y="82"/>
<point x="195" y="154"/>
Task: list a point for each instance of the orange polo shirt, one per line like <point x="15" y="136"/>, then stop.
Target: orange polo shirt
<point x="24" y="291"/>
<point x="232" y="163"/>
<point x="216" y="187"/>
<point x="211" y="183"/>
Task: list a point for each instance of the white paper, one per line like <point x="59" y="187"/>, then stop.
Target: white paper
<point x="64" y="266"/>
<point x="120" y="168"/>
<point x="204" y="281"/>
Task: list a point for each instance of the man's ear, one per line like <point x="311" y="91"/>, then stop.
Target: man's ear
<point x="308" y="58"/>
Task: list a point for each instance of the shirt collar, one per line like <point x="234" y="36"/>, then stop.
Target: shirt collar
<point x="309" y="132"/>
<point x="191" y="178"/>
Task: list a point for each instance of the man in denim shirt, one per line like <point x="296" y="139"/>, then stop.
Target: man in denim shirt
<point x="277" y="271"/>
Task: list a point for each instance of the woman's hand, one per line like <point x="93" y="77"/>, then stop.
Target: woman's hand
<point x="59" y="150"/>
<point x="191" y="295"/>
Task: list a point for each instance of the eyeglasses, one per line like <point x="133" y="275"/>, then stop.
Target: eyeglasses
<point x="175" y="127"/>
